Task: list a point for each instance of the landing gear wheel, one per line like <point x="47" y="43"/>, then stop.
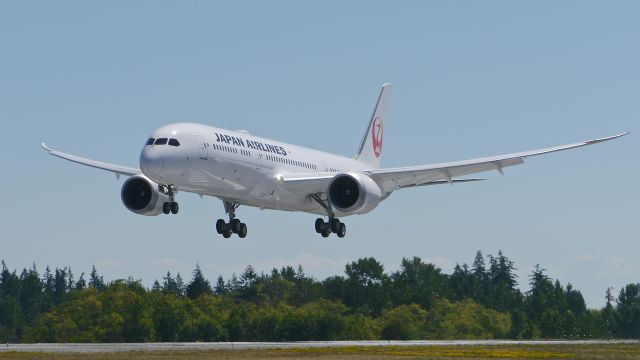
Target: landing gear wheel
<point x="226" y="234"/>
<point x="235" y="225"/>
<point x="319" y="225"/>
<point x="166" y="208"/>
<point x="335" y="224"/>
<point x="342" y="230"/>
<point x="242" y="233"/>
<point x="174" y="207"/>
<point x="325" y="233"/>
<point x="220" y="226"/>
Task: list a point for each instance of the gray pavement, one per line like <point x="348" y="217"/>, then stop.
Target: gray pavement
<point x="188" y="346"/>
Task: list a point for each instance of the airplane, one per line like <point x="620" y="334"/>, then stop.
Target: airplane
<point x="243" y="169"/>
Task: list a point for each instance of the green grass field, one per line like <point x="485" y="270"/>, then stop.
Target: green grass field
<point x="577" y="351"/>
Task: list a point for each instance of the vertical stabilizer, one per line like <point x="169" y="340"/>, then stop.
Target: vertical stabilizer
<point x="370" y="149"/>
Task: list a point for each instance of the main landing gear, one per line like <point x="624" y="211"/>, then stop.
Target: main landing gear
<point x="171" y="206"/>
<point x="234" y="226"/>
<point x="334" y="225"/>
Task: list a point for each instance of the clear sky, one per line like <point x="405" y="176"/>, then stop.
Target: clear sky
<point x="470" y="79"/>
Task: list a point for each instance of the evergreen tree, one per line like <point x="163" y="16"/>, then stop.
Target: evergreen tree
<point x="59" y="285"/>
<point x="9" y="283"/>
<point x="95" y="280"/>
<point x="30" y="294"/>
<point x="47" y="289"/>
<point x="174" y="286"/>
<point x="539" y="297"/>
<point x="81" y="284"/>
<point x="70" y="281"/>
<point x="220" y="288"/>
<point x="11" y="314"/>
<point x="478" y="268"/>
<point x="288" y="273"/>
<point x="198" y="285"/>
<point x="248" y="276"/>
<point x="461" y="283"/>
<point x="608" y="313"/>
<point x="480" y="279"/>
<point x="574" y="301"/>
<point x="504" y="294"/>
<point x="180" y="288"/>
<point x="628" y="312"/>
<point x="248" y="291"/>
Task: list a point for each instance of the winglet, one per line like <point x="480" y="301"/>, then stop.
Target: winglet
<point x="44" y="146"/>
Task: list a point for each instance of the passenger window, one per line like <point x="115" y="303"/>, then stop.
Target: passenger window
<point x="174" y="142"/>
<point x="161" y="141"/>
<point x="150" y="141"/>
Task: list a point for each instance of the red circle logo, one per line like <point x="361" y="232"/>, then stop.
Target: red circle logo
<point x="376" y="136"/>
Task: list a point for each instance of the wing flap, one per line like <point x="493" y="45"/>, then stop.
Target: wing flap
<point x="306" y="183"/>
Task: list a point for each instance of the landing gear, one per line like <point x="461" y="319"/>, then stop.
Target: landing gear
<point x="334" y="225"/>
<point x="234" y="226"/>
<point x="174" y="207"/>
<point x="170" y="207"/>
<point x="319" y="225"/>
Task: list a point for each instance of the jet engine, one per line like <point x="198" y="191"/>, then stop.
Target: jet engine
<point x="353" y="193"/>
<point x="142" y="196"/>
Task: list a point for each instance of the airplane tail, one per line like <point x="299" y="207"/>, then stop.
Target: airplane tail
<point x="371" y="146"/>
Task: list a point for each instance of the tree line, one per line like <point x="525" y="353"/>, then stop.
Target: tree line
<point x="419" y="301"/>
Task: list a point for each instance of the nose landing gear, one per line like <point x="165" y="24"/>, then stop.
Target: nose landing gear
<point x="170" y="206"/>
<point x="234" y="226"/>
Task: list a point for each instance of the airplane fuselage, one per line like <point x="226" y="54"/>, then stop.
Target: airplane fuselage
<point x="235" y="165"/>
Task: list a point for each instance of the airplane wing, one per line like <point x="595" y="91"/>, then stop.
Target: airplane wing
<point x="391" y="179"/>
<point x="118" y="169"/>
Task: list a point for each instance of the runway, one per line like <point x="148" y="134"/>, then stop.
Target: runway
<point x="188" y="346"/>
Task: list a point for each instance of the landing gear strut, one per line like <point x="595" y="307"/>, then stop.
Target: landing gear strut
<point x="334" y="225"/>
<point x="171" y="206"/>
<point x="234" y="225"/>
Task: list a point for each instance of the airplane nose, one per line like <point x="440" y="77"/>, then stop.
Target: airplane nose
<point x="151" y="162"/>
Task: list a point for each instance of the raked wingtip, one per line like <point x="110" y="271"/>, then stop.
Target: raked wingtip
<point x="595" y="141"/>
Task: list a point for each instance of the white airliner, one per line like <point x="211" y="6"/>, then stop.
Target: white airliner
<point x="242" y="169"/>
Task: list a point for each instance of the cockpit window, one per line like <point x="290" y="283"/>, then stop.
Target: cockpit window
<point x="174" y="142"/>
<point x="161" y="141"/>
<point x="150" y="141"/>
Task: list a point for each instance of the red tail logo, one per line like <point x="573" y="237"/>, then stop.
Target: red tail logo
<point x="376" y="136"/>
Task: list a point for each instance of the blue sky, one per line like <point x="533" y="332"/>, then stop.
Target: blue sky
<point x="470" y="79"/>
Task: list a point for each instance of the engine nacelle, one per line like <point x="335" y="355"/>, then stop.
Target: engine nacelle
<point x="353" y="193"/>
<point x="142" y="196"/>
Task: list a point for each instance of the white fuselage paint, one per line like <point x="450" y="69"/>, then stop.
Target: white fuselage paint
<point x="237" y="166"/>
